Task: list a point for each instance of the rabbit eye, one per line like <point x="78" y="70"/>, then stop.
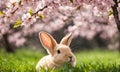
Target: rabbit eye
<point x="58" y="51"/>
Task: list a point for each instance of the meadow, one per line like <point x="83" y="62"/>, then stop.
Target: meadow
<point x="25" y="60"/>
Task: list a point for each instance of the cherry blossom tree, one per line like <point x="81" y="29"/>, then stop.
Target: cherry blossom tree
<point x="19" y="18"/>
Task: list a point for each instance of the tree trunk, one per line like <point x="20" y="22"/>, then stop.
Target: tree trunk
<point x="116" y="17"/>
<point x="119" y="42"/>
<point x="7" y="44"/>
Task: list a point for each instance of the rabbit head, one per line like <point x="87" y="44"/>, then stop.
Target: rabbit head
<point x="61" y="53"/>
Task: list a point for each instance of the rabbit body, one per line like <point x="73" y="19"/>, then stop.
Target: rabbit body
<point x="45" y="62"/>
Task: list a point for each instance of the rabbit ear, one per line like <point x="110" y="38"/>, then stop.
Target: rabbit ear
<point x="48" y="42"/>
<point x="67" y="40"/>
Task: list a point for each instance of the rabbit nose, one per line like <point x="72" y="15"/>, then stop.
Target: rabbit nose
<point x="69" y="58"/>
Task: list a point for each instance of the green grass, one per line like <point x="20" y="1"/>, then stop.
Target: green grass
<point x="25" y="60"/>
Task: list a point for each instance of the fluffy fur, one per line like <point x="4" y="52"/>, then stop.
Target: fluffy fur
<point x="58" y="53"/>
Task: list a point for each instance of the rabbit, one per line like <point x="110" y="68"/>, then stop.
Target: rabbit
<point x="58" y="53"/>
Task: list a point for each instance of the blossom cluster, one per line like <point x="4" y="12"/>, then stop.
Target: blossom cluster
<point x="89" y="17"/>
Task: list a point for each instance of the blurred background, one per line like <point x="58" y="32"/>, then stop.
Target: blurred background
<point x="92" y="24"/>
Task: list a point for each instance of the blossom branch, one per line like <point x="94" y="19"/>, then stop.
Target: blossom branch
<point x="39" y="10"/>
<point x="115" y="14"/>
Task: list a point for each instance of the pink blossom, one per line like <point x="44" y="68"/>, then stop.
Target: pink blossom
<point x="89" y="17"/>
